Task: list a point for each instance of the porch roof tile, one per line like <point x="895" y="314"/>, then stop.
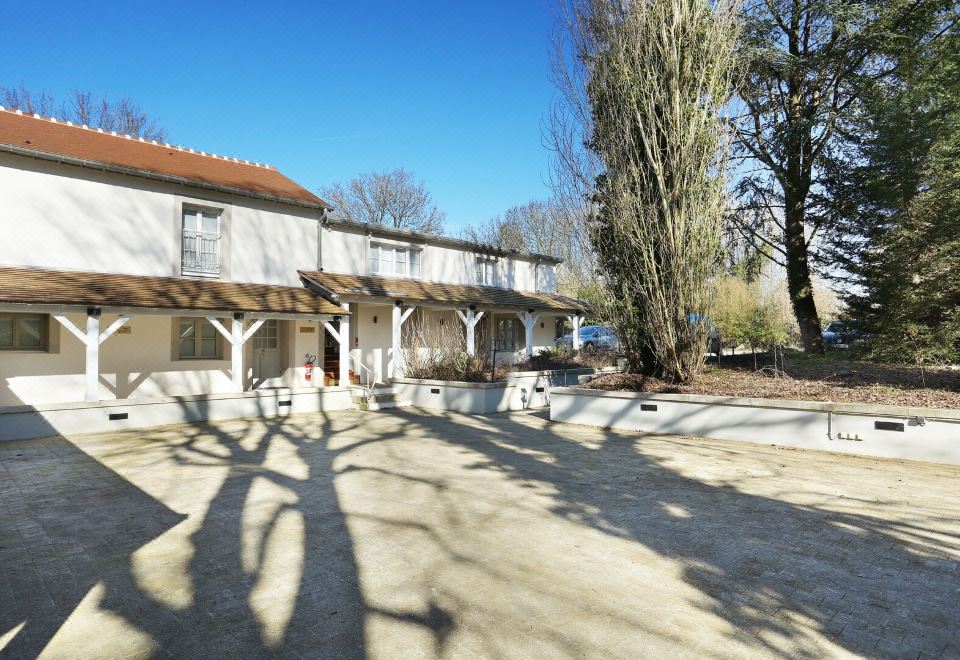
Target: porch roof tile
<point x="38" y="286"/>
<point x="339" y="286"/>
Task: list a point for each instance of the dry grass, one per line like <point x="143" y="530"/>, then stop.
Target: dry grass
<point x="813" y="379"/>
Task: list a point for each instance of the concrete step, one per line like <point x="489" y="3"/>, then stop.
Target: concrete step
<point x="383" y="405"/>
<point x="376" y="396"/>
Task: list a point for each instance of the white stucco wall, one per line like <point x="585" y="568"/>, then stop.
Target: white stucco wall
<point x="62" y="216"/>
<point x="140" y="365"/>
<point x="346" y="251"/>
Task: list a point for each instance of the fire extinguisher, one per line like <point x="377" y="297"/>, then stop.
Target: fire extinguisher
<point x="308" y="367"/>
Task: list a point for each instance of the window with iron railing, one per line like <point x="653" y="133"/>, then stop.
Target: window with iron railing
<point x="201" y="242"/>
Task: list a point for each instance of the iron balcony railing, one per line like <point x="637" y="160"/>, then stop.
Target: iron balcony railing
<point x="201" y="253"/>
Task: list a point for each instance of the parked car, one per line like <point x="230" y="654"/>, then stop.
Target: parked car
<point x="594" y="337"/>
<point x="842" y="333"/>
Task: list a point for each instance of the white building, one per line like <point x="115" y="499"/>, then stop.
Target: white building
<point x="132" y="271"/>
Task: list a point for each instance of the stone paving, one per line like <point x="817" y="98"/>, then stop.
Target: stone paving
<point x="416" y="534"/>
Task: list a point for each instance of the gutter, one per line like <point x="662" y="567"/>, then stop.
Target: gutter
<point x="381" y="230"/>
<point x="155" y="176"/>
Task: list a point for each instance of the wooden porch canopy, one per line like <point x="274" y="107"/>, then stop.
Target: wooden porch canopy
<point x="62" y="288"/>
<point x="337" y="287"/>
<point x="470" y="302"/>
<point x="59" y="292"/>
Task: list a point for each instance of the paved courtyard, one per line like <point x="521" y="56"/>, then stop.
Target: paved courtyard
<point x="419" y="534"/>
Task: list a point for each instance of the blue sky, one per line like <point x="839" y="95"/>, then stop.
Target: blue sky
<point x="454" y="91"/>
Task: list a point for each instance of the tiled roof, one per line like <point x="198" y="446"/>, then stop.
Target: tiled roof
<point x="60" y="287"/>
<point x="339" y="286"/>
<point x="55" y="137"/>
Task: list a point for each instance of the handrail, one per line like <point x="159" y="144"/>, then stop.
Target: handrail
<point x="371" y="375"/>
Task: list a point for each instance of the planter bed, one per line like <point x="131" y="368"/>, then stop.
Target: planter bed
<point x="22" y="422"/>
<point x="521" y="391"/>
<point x="926" y="434"/>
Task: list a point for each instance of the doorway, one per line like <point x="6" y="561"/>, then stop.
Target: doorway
<point x="266" y="352"/>
<point x="331" y="356"/>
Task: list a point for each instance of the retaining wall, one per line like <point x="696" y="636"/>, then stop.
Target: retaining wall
<point x="23" y="422"/>
<point x="926" y="434"/>
<point x="521" y="391"/>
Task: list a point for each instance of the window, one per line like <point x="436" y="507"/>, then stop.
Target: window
<point x="23" y="332"/>
<point x="507" y="330"/>
<point x="485" y="270"/>
<point x="201" y="242"/>
<point x="198" y="340"/>
<point x="390" y="260"/>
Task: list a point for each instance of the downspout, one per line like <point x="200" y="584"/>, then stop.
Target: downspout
<point x="322" y="220"/>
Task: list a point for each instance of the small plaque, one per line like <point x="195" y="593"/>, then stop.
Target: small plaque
<point x="116" y="416"/>
<point x="307" y="329"/>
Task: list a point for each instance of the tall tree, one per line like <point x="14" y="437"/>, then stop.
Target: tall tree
<point x="393" y="199"/>
<point x="645" y="87"/>
<point x="122" y="116"/>
<point x="808" y="63"/>
<point x="896" y="244"/>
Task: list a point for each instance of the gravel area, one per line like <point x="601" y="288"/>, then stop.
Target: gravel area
<point x="812" y="379"/>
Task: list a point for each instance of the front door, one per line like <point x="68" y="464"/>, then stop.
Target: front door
<point x="266" y="352"/>
<point x="331" y="356"/>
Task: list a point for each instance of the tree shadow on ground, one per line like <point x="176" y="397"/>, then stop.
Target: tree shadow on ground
<point x="246" y="543"/>
<point x="262" y="564"/>
<point x="781" y="574"/>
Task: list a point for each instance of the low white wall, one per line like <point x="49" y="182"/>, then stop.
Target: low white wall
<point x="457" y="396"/>
<point x="23" y="422"/>
<point x="521" y="391"/>
<point x="927" y="434"/>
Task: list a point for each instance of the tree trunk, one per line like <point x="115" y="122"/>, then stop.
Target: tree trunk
<point x="799" y="283"/>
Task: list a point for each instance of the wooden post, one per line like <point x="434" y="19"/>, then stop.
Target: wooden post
<point x="92" y="392"/>
<point x="470" y="320"/>
<point x="236" y="353"/>
<point x="576" y="320"/>
<point x="529" y="319"/>
<point x="92" y="339"/>
<point x="236" y="338"/>
<point x="398" y="363"/>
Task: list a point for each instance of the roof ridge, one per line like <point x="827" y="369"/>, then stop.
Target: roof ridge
<point x="162" y="145"/>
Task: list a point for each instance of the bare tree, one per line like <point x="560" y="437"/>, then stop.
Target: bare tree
<point x="122" y="116"/>
<point x="393" y="199"/>
<point x="542" y="227"/>
<point x="643" y="87"/>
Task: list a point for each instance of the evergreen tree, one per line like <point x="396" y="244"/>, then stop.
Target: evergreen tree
<point x="896" y="238"/>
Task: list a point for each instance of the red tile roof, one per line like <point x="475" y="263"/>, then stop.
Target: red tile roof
<point x="51" y="137"/>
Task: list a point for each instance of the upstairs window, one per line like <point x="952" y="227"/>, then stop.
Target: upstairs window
<point x="23" y="332"/>
<point x="201" y="242"/>
<point x="394" y="261"/>
<point x="485" y="271"/>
